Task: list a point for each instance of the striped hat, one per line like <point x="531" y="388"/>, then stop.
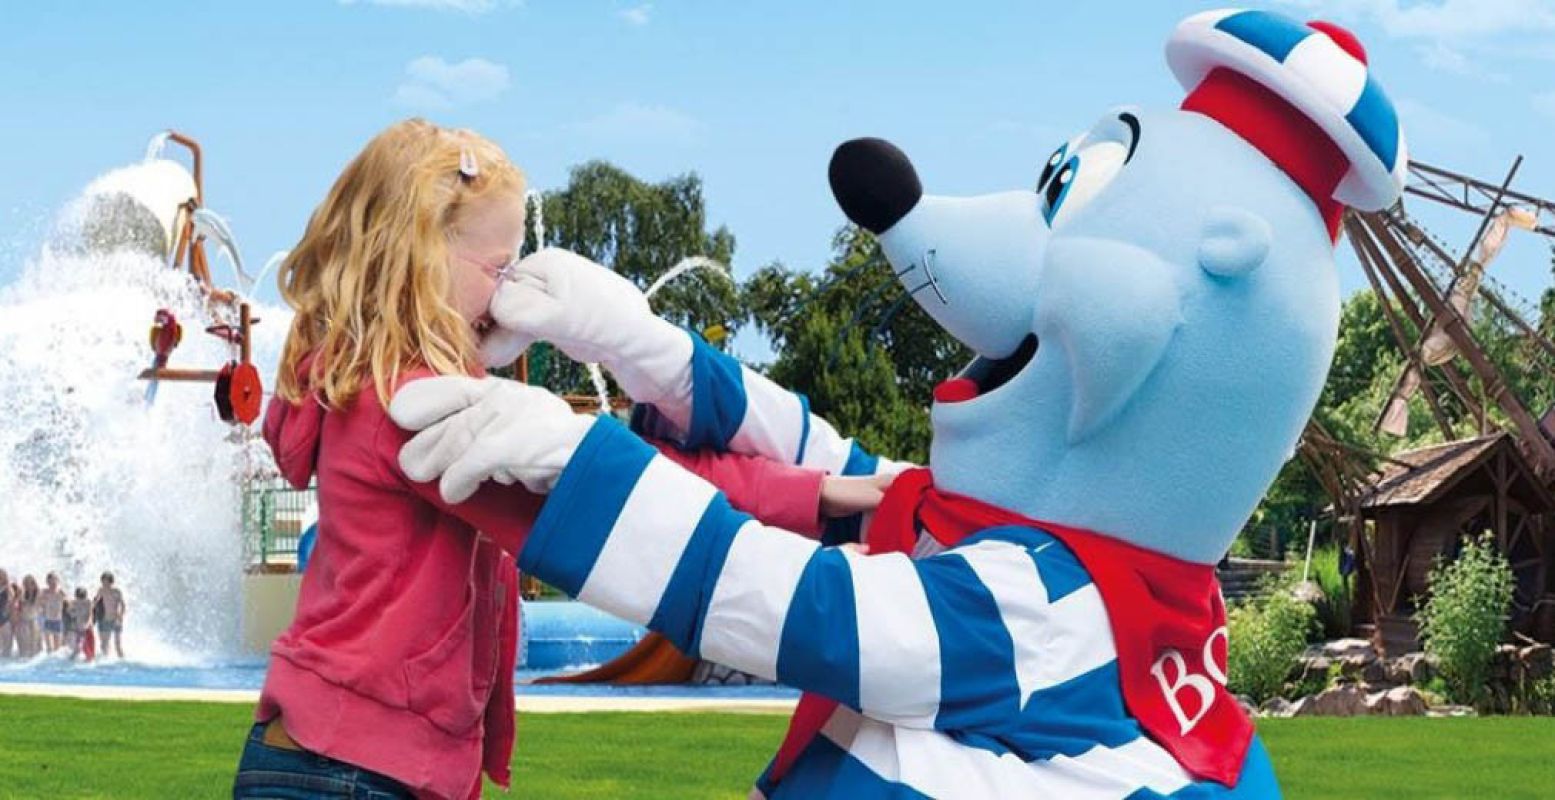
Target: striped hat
<point x="1303" y="95"/>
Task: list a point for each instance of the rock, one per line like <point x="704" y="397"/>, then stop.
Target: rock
<point x="1375" y="673"/>
<point x="1415" y="668"/>
<point x="1312" y="669"/>
<point x="1247" y="705"/>
<point x="1451" y="711"/>
<point x="1339" y="701"/>
<point x="1538" y="661"/>
<point x="1342" y="648"/>
<point x="1400" y="701"/>
<point x="1276" y="707"/>
<point x="1362" y="667"/>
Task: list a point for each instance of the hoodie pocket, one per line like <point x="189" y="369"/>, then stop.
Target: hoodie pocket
<point x="440" y="682"/>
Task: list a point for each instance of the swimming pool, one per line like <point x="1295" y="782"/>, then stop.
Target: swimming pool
<point x="557" y="638"/>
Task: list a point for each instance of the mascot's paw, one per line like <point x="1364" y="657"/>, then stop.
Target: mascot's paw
<point x="586" y="310"/>
<point x="596" y="316"/>
<point x="501" y="347"/>
<point x="472" y="430"/>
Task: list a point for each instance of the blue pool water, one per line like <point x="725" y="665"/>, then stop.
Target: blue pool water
<point x="558" y="638"/>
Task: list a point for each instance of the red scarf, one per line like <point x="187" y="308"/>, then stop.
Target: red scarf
<point x="1168" y="626"/>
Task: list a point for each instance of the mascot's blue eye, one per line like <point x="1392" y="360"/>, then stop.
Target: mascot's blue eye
<point x="1052" y="166"/>
<point x="1057" y="188"/>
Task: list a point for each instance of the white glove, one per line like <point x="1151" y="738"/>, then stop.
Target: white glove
<point x="594" y="315"/>
<point x="500" y="347"/>
<point x="472" y="429"/>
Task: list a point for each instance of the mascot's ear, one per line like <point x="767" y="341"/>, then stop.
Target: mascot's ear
<point x="1234" y="242"/>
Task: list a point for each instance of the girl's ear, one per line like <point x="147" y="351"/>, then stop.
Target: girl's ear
<point x="1234" y="243"/>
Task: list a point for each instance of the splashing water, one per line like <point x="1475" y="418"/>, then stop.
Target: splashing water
<point x="92" y="479"/>
<point x="157" y="144"/>
<point x="535" y="198"/>
<point x="601" y="389"/>
<point x="684" y="266"/>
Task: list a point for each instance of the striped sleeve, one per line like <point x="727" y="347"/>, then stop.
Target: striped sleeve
<point x="737" y="409"/>
<point x="923" y="644"/>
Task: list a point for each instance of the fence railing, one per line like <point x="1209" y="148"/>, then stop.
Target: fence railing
<point x="274" y="518"/>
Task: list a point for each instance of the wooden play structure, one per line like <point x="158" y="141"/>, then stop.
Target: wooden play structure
<point x="237" y="389"/>
<point x="1403" y="512"/>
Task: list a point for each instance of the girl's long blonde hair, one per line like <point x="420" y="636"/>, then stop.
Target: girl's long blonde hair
<point x="369" y="281"/>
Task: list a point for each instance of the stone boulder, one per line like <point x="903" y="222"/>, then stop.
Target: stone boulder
<point x="1411" y="669"/>
<point x="1339" y="701"/>
<point x="1276" y="707"/>
<point x="1400" y="701"/>
<point x="1343" y="648"/>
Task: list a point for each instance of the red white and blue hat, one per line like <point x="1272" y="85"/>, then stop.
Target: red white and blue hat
<point x="1288" y="86"/>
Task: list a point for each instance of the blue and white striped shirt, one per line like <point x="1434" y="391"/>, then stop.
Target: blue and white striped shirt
<point x="985" y="671"/>
<point x="736" y="409"/>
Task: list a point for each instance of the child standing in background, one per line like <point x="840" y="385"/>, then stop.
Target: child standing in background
<point x="110" y="608"/>
<point x="78" y="616"/>
<point x="53" y="613"/>
<point x="28" y="619"/>
<point x="7" y="614"/>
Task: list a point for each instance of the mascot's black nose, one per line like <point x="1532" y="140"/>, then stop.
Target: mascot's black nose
<point x="873" y="182"/>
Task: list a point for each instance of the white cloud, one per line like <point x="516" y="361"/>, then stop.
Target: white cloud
<point x="466" y="6"/>
<point x="636" y="15"/>
<point x="432" y="83"/>
<point x="1443" y="57"/>
<point x="1456" y="37"/>
<point x="638" y="122"/>
<point x="1447" y="20"/>
<point x="1431" y="130"/>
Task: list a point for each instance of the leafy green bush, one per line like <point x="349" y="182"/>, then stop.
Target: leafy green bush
<point x="1267" y="633"/>
<point x="1465" y="617"/>
<point x="1333" y="613"/>
<point x="1535" y="697"/>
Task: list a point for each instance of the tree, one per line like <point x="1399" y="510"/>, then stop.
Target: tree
<point x="853" y="342"/>
<point x="640" y="230"/>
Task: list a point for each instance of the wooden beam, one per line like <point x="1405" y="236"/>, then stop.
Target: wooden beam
<point x="1455" y="382"/>
<point x="1413" y="233"/>
<point x="1457" y="328"/>
<point x="179" y="375"/>
<point x="1412" y="353"/>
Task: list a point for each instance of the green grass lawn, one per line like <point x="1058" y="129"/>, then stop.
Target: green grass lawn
<point x="100" y="749"/>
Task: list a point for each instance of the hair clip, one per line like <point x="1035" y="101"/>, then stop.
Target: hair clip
<point x="467" y="165"/>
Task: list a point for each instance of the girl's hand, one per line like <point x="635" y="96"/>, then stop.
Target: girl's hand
<point x="844" y="497"/>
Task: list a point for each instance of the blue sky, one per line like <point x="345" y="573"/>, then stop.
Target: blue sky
<point x="751" y="96"/>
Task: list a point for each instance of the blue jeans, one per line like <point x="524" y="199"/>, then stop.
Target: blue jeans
<point x="275" y="773"/>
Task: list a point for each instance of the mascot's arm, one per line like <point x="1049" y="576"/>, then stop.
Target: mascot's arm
<point x="732" y="407"/>
<point x="911" y="643"/>
<point x="780" y="494"/>
<point x="737" y="409"/>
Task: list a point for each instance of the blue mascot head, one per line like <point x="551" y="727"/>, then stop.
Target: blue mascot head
<point x="1154" y="315"/>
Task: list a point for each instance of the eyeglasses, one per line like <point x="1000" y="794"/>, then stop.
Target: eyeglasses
<point x="499" y="273"/>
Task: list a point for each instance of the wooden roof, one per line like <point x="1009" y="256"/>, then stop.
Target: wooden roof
<point x="1426" y="475"/>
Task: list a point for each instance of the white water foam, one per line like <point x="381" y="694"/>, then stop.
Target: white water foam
<point x="91" y="478"/>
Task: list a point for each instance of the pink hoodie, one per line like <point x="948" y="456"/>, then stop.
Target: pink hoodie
<point x="400" y="658"/>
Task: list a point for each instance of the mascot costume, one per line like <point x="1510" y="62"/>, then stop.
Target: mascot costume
<point x="1038" y="616"/>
